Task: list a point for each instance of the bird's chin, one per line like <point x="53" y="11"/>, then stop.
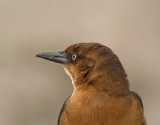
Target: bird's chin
<point x="69" y="72"/>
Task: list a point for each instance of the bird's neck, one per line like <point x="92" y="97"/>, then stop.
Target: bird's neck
<point x="112" y="83"/>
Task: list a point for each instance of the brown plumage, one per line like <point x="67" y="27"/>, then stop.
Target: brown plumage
<point x="101" y="93"/>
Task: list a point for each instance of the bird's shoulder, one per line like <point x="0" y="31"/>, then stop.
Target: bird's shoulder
<point x="137" y="97"/>
<point x="62" y="109"/>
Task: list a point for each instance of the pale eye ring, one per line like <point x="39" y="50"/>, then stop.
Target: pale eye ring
<point x="74" y="56"/>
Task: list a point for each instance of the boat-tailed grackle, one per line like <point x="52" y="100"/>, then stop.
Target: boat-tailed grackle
<point x="101" y="93"/>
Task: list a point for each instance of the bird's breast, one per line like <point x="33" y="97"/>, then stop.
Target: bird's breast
<point x="96" y="109"/>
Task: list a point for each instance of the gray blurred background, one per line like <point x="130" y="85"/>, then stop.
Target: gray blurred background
<point x="33" y="90"/>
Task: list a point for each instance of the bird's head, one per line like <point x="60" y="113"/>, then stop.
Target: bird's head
<point x="90" y="65"/>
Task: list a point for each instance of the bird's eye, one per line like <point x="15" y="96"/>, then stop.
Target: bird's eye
<point x="74" y="56"/>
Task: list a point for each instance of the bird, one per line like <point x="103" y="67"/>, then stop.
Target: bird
<point x="101" y="94"/>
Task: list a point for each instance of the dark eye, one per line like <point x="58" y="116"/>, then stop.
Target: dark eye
<point x="74" y="56"/>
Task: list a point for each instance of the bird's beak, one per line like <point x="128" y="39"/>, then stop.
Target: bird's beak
<point x="54" y="56"/>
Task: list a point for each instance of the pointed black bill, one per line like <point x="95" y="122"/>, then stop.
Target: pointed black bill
<point x="53" y="56"/>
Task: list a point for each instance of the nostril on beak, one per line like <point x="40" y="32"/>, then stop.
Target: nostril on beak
<point x="51" y="57"/>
